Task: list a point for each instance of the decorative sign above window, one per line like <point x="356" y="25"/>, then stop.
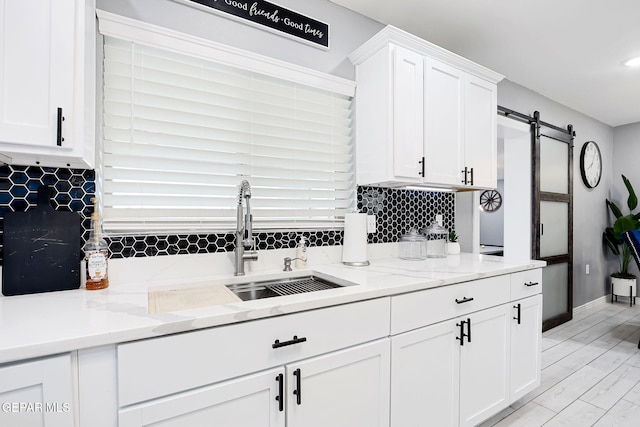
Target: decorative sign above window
<point x="274" y="17"/>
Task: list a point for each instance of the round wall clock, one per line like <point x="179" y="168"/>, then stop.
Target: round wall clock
<point x="590" y="164"/>
<point x="490" y="200"/>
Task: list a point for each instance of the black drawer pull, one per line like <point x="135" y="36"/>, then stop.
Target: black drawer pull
<point x="280" y="396"/>
<point x="463" y="300"/>
<point x="295" y="340"/>
<point x="532" y="284"/>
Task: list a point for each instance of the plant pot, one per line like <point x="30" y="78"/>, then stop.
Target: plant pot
<point x="623" y="287"/>
<point x="453" y="248"/>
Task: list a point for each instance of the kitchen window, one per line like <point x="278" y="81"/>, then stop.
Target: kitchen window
<point x="181" y="131"/>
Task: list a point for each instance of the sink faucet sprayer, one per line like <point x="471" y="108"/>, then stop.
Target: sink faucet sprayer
<point x="244" y="233"/>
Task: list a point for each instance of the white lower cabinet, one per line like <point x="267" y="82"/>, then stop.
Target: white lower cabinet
<point x="325" y="367"/>
<point x="247" y="401"/>
<point x="462" y="353"/>
<point x="484" y="361"/>
<point x="451" y="373"/>
<point x="341" y="389"/>
<point x="424" y="377"/>
<point x="526" y="346"/>
<point x="37" y="393"/>
<point x="344" y="388"/>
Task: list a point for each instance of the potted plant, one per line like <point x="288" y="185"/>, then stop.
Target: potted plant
<point x="622" y="282"/>
<point x="453" y="247"/>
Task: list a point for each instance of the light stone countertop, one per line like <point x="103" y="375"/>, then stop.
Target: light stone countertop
<point x="56" y="322"/>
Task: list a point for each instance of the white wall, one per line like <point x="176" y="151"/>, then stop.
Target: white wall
<point x="589" y="210"/>
<point x="626" y="161"/>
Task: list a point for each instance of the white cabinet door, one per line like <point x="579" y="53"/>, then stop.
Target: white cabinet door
<point x="38" y="393"/>
<point x="36" y="68"/>
<point x="526" y="345"/>
<point x="249" y="401"/>
<point x="484" y="365"/>
<point x="408" y="107"/>
<point x="425" y="376"/>
<point x="480" y="131"/>
<point x="44" y="68"/>
<point x="443" y="115"/>
<point x="342" y="389"/>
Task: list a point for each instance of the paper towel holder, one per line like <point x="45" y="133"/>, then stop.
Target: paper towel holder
<point x="354" y="250"/>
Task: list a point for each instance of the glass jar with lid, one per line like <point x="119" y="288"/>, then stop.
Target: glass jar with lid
<point x="437" y="238"/>
<point x="413" y="246"/>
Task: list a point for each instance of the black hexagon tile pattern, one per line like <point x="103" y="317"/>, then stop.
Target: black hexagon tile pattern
<point x="397" y="212"/>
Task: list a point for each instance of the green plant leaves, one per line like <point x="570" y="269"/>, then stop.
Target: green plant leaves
<point x="615" y="209"/>
<point x="632" y="201"/>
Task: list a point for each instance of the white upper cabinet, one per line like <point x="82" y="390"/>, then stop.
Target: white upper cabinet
<point x="424" y="116"/>
<point x="443" y="123"/>
<point x="480" y="131"/>
<point x="47" y="82"/>
<point x="408" y="100"/>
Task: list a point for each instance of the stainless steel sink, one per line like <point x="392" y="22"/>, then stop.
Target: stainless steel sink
<point x="288" y="286"/>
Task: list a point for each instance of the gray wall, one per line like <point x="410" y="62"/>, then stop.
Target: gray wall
<point x="626" y="158"/>
<point x="492" y="223"/>
<point x="589" y="210"/>
<point x="347" y="30"/>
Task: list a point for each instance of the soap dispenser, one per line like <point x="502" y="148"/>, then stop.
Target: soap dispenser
<point x="301" y="253"/>
<point x="96" y="253"/>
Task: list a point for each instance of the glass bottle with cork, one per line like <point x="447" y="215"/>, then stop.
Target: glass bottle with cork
<point x="96" y="253"/>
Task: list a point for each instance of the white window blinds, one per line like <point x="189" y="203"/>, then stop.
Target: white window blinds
<point x="181" y="133"/>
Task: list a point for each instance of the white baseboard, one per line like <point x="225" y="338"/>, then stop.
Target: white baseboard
<point x="591" y="304"/>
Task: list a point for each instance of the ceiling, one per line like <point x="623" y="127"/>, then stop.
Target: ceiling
<point x="570" y="51"/>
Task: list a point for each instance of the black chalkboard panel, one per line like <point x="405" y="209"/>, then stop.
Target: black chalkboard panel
<point x="41" y="249"/>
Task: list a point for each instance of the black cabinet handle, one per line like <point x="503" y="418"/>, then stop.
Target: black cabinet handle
<point x="532" y="284"/>
<point x="295" y="340"/>
<point x="421" y="162"/>
<point x="462" y="335"/>
<point x="463" y="300"/>
<point x="471" y="176"/>
<point x="280" y="396"/>
<point x="298" y="391"/>
<point x="464" y="173"/>
<point x="468" y="329"/>
<point x="518" y="308"/>
<point x="59" y="137"/>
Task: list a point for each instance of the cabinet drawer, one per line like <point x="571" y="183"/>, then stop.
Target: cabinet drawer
<point x="161" y="366"/>
<point x="418" y="309"/>
<point x="526" y="283"/>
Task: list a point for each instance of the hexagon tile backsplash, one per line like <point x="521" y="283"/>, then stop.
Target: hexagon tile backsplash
<point x="397" y="212"/>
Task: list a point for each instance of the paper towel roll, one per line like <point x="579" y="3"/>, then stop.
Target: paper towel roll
<point x="354" y="249"/>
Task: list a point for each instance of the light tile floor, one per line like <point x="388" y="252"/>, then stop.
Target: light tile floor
<point x="590" y="373"/>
